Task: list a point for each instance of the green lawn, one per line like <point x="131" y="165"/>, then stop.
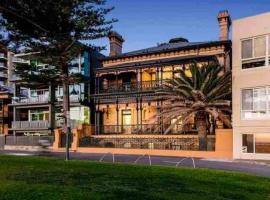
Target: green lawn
<point x="48" y="178"/>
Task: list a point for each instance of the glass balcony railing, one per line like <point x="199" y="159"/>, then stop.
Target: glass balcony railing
<point x="37" y="99"/>
<point x="3" y="65"/>
<point x="3" y="75"/>
<point x="72" y="98"/>
<point x="19" y="60"/>
<point x="43" y="99"/>
<point x="30" y="124"/>
<point x="2" y="56"/>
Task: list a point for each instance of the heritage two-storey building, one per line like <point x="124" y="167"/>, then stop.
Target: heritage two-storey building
<point x="125" y="97"/>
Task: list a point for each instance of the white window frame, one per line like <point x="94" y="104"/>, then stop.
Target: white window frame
<point x="37" y="112"/>
<point x="267" y="52"/>
<point x="267" y="103"/>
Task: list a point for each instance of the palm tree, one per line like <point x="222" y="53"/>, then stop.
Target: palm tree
<point x="204" y="94"/>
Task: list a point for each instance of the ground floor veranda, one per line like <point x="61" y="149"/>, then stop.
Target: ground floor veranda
<point x="140" y="116"/>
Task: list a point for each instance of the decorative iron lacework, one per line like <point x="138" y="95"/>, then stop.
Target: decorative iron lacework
<point x="168" y="143"/>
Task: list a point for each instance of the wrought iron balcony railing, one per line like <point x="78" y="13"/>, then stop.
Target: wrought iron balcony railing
<point x="30" y="124"/>
<point x="131" y="86"/>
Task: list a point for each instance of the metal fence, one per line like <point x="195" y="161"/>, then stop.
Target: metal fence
<point x="144" y="129"/>
<point x="166" y="143"/>
<point x="25" y="140"/>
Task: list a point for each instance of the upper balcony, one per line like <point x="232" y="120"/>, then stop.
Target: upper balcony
<point x="30" y="100"/>
<point x="3" y="65"/>
<point x="72" y="98"/>
<point x="130" y="86"/>
<point x="41" y="99"/>
<point x="19" y="60"/>
<point x="3" y="75"/>
<point x="28" y="125"/>
<point x="3" y="56"/>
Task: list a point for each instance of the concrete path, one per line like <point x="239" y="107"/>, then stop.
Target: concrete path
<point x="239" y="166"/>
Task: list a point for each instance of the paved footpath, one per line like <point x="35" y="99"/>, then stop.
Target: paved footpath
<point x="259" y="169"/>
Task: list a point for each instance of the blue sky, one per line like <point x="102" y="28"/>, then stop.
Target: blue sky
<point x="144" y="23"/>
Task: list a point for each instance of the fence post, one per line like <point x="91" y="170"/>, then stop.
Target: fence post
<point x="75" y="141"/>
<point x="224" y="143"/>
<point x="57" y="139"/>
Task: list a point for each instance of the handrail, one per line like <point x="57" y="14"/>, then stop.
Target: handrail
<point x="131" y="86"/>
<point x="144" y="129"/>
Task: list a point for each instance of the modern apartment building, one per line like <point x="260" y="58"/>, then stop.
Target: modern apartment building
<point x="3" y="66"/>
<point x="125" y="96"/>
<point x="5" y="89"/>
<point x="251" y="87"/>
<point x="37" y="109"/>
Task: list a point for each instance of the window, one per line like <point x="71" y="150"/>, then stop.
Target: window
<point x="39" y="115"/>
<point x="262" y="143"/>
<point x="77" y="65"/>
<point x="256" y="103"/>
<point x="247" y="143"/>
<point x="80" y="114"/>
<point x="254" y="52"/>
<point x="39" y="95"/>
<point x="256" y="143"/>
<point x="247" y="49"/>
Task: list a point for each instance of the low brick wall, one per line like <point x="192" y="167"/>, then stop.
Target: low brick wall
<point x="223" y="147"/>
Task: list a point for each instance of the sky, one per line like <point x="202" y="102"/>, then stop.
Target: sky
<point x="144" y="23"/>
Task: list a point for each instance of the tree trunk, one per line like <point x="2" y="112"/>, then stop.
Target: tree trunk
<point x="201" y="125"/>
<point x="66" y="111"/>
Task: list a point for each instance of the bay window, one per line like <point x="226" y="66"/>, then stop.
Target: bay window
<point x="256" y="103"/>
<point x="254" y="52"/>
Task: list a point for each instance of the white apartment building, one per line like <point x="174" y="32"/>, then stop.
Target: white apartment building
<point x="251" y="87"/>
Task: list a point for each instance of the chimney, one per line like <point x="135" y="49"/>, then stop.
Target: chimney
<point x="116" y="42"/>
<point x="225" y="22"/>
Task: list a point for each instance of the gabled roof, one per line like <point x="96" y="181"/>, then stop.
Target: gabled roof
<point x="166" y="47"/>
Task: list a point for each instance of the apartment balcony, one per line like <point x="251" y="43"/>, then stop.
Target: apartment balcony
<point x="3" y="75"/>
<point x="131" y="86"/>
<point x="19" y="60"/>
<point x="3" y="65"/>
<point x="3" y="56"/>
<point x="28" y="125"/>
<point x="72" y="98"/>
<point x="30" y="100"/>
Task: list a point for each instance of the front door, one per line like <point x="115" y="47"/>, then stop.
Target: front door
<point x="126" y="121"/>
